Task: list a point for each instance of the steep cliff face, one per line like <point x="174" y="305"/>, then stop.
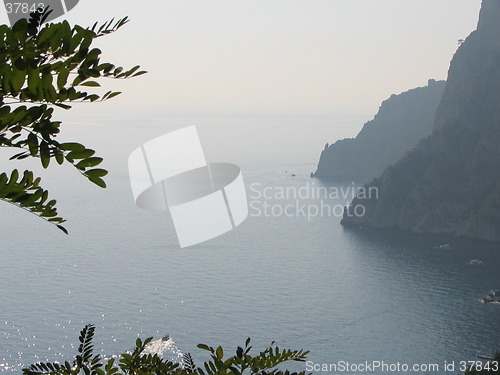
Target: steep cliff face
<point x="450" y="183"/>
<point x="402" y="121"/>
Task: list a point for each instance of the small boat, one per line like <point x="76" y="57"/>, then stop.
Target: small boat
<point x="492" y="297"/>
<point x="445" y="246"/>
<point x="293" y="175"/>
<point x="476" y="262"/>
<point x="486" y="300"/>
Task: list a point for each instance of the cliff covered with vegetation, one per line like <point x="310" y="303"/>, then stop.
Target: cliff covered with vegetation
<point x="450" y="182"/>
<point x="402" y="121"/>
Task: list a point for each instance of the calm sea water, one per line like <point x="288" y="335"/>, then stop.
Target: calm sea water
<point x="343" y="294"/>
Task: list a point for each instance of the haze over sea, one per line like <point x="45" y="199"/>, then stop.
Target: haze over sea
<point x="346" y="295"/>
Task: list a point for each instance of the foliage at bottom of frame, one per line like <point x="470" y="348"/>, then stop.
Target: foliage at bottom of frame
<point x="140" y="362"/>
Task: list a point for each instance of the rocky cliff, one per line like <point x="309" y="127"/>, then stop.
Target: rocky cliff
<point x="450" y="183"/>
<point x="402" y="121"/>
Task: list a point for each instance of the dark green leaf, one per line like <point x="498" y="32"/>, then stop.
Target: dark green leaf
<point x="96" y="173"/>
<point x="139" y="73"/>
<point x="71" y="146"/>
<point x="62" y="78"/>
<point x="45" y="154"/>
<point x="113" y="94"/>
<point x="77" y="155"/>
<point x="90" y="84"/>
<point x="219" y="352"/>
<point x="89" y="162"/>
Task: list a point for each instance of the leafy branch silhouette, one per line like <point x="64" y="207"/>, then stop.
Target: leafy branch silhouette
<point x="137" y="362"/>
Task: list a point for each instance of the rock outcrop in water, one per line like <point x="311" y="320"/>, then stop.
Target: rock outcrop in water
<point x="402" y="121"/>
<point x="450" y="183"/>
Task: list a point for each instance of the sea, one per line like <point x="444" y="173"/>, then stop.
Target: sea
<point x="290" y="273"/>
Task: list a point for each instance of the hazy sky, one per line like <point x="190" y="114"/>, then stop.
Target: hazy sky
<point x="293" y="57"/>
